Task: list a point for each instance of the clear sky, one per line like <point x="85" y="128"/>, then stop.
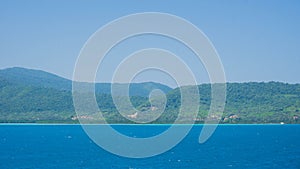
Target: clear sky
<point x="256" y="40"/>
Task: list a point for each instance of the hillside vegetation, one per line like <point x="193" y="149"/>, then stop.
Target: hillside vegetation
<point x="37" y="96"/>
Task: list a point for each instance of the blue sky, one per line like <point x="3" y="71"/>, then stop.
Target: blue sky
<point x="256" y="40"/>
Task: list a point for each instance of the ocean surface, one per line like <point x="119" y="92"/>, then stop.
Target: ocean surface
<point x="231" y="146"/>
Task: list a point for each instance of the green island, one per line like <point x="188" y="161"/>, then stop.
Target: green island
<point x="34" y="96"/>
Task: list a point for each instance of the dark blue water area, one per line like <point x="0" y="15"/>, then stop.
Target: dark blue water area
<point x="231" y="146"/>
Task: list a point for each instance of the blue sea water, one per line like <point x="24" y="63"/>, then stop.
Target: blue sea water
<point x="231" y="146"/>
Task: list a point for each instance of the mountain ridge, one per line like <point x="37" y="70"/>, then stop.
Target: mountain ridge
<point x="40" y="78"/>
<point x="251" y="102"/>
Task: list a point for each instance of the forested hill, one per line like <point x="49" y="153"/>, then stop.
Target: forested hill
<point x="23" y="77"/>
<point x="37" y="96"/>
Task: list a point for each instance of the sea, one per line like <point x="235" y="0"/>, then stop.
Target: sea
<point x="27" y="146"/>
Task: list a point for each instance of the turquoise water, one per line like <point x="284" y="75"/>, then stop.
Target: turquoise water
<point x="231" y="146"/>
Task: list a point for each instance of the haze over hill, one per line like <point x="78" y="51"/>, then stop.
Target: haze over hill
<point x="37" y="96"/>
